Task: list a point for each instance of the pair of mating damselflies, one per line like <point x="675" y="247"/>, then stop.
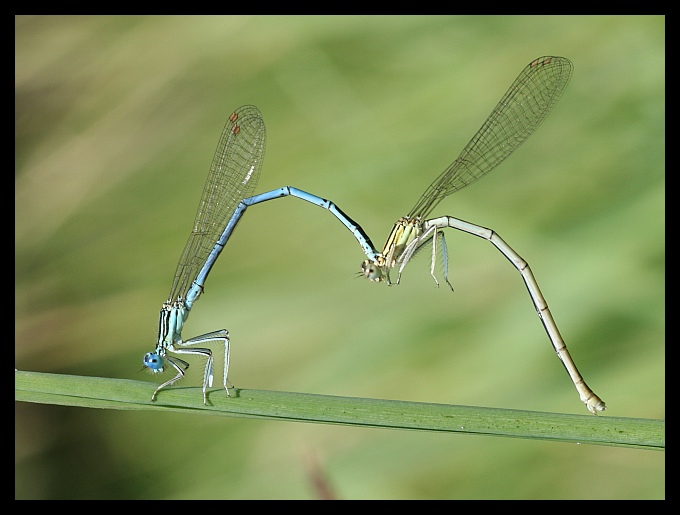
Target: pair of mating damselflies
<point x="236" y="168"/>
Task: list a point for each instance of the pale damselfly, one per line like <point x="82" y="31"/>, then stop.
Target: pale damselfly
<point x="520" y="111"/>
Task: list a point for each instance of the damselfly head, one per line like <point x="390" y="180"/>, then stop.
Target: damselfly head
<point x="154" y="362"/>
<point x="371" y="271"/>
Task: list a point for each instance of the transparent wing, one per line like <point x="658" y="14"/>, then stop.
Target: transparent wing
<point x="521" y="110"/>
<point x="233" y="176"/>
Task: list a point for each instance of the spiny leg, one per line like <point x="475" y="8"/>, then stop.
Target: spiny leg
<point x="412" y="249"/>
<point x="180" y="366"/>
<point x="221" y="335"/>
<point x="416" y="245"/>
<point x="208" y="374"/>
<point x="445" y="259"/>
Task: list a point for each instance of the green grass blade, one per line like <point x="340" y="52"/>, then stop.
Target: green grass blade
<point x="96" y="392"/>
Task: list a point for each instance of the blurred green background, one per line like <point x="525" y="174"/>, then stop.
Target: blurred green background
<point x="116" y="123"/>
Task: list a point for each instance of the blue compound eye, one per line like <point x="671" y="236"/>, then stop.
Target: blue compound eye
<point x="153" y="361"/>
